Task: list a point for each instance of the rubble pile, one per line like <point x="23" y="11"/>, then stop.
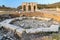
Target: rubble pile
<point x="38" y="36"/>
<point x="7" y="34"/>
<point x="10" y="35"/>
<point x="7" y="16"/>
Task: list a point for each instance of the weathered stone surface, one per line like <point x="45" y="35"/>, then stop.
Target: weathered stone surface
<point x="19" y="31"/>
<point x="29" y="25"/>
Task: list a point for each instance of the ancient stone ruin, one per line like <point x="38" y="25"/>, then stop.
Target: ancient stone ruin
<point x="25" y="28"/>
<point x="29" y="6"/>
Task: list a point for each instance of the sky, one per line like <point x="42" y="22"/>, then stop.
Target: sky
<point x="16" y="3"/>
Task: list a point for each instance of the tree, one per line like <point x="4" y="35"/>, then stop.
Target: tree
<point x="3" y="5"/>
<point x="20" y="7"/>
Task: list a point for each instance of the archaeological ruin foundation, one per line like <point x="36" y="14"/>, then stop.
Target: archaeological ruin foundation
<point x="31" y="27"/>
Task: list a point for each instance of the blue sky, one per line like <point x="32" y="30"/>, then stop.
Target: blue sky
<point x="16" y="3"/>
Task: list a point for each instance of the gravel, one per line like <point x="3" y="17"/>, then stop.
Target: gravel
<point x="7" y="35"/>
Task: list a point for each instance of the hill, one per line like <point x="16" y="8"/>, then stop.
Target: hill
<point x="4" y="8"/>
<point x="40" y="6"/>
<point x="54" y="5"/>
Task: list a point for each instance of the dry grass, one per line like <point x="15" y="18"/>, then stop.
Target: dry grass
<point x="13" y="13"/>
<point x="40" y="14"/>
